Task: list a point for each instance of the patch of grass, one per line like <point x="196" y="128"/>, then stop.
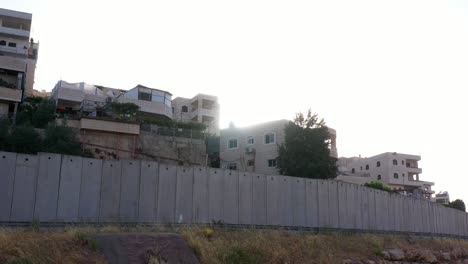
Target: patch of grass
<point x="239" y="255"/>
<point x="378" y="252"/>
<point x="86" y="240"/>
<point x="36" y="225"/>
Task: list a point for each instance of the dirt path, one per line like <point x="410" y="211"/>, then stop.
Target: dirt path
<point x="136" y="248"/>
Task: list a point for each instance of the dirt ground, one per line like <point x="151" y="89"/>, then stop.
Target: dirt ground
<point x="139" y="248"/>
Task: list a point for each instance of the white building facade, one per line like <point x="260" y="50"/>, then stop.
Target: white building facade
<point x="18" y="57"/>
<point x="396" y="170"/>
<point x="255" y="148"/>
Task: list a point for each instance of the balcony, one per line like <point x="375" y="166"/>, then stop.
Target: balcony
<point x="413" y="169"/>
<point x="15" y="32"/>
<point x="110" y="126"/>
<point x="9" y="94"/>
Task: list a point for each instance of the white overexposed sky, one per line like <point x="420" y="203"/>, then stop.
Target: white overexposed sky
<point x="387" y="75"/>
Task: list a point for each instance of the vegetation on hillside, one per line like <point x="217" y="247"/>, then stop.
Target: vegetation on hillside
<point x="378" y="186"/>
<point x="306" y="149"/>
<point x="36" y="111"/>
<point x="457" y="204"/>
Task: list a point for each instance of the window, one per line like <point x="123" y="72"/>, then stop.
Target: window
<point x="250" y="163"/>
<point x="367" y="167"/>
<point x="379" y="177"/>
<point x="270" y="138"/>
<point x="272" y="163"/>
<point x="12" y="44"/>
<point x="144" y="95"/>
<point x="232" y="143"/>
<point x="184" y="109"/>
<point x="402" y="162"/>
<point x="2" y="43"/>
<point x="250" y="140"/>
<point x="232" y="166"/>
<point x="378" y="163"/>
<point x="395" y="162"/>
<point x="403" y="175"/>
<point x="172" y="109"/>
<point x="353" y="170"/>
<point x="395" y="175"/>
<point x="361" y="167"/>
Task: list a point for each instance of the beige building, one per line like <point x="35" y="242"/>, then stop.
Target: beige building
<point x="255" y="148"/>
<point x="18" y="57"/>
<point x="202" y="109"/>
<point x="442" y="198"/>
<point x="396" y="170"/>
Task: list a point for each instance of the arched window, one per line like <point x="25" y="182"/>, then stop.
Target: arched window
<point x="395" y="175"/>
<point x="367" y="167"/>
<point x="379" y="177"/>
<point x="2" y="43"/>
<point x="184" y="109"/>
<point x="353" y="170"/>
<point x="402" y="162"/>
<point x="378" y="163"/>
<point x="395" y="162"/>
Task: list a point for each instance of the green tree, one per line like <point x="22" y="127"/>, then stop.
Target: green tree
<point x="24" y="139"/>
<point x="457" y="204"/>
<point x="124" y="111"/>
<point x="4" y="133"/>
<point x="36" y="111"/>
<point x="61" y="139"/>
<point x="306" y="149"/>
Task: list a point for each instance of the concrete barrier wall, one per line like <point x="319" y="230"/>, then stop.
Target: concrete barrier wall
<point x="60" y="188"/>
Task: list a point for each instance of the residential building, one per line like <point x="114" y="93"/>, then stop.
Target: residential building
<point x="396" y="170"/>
<point x="83" y="97"/>
<point x="18" y="57"/>
<point x="201" y="108"/>
<point x="255" y="148"/>
<point x="442" y="198"/>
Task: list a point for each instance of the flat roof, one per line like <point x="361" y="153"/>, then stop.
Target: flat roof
<point x="17" y="14"/>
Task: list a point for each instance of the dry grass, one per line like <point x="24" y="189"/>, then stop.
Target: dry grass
<point x="254" y="246"/>
<point x="28" y="247"/>
<point x="215" y="245"/>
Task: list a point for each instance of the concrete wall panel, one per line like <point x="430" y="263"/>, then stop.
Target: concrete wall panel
<point x="245" y="198"/>
<point x="47" y="187"/>
<point x="7" y="178"/>
<point x="274" y="200"/>
<point x="184" y="196"/>
<point x="312" y="206"/>
<point x="259" y="199"/>
<point x="167" y="193"/>
<point x="391" y="203"/>
<point x="215" y="190"/>
<point x="372" y="210"/>
<point x="90" y="193"/>
<point x="149" y="177"/>
<point x="344" y="221"/>
<point x="333" y="203"/>
<point x="323" y="215"/>
<point x="69" y="192"/>
<point x="365" y="210"/>
<point x="231" y="197"/>
<point x="357" y="205"/>
<point x="201" y="213"/>
<point x="348" y="210"/>
<point x="298" y="192"/>
<point x="24" y="190"/>
<point x="381" y="210"/>
<point x="110" y="191"/>
<point x="286" y="206"/>
<point x="130" y="190"/>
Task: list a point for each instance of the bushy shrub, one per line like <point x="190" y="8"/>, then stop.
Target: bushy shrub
<point x="61" y="139"/>
<point x="23" y="139"/>
<point x="85" y="240"/>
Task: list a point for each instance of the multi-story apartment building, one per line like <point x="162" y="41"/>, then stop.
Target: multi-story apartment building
<point x="255" y="148"/>
<point x="18" y="57"/>
<point x="74" y="97"/>
<point x="202" y="108"/>
<point x="396" y="170"/>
